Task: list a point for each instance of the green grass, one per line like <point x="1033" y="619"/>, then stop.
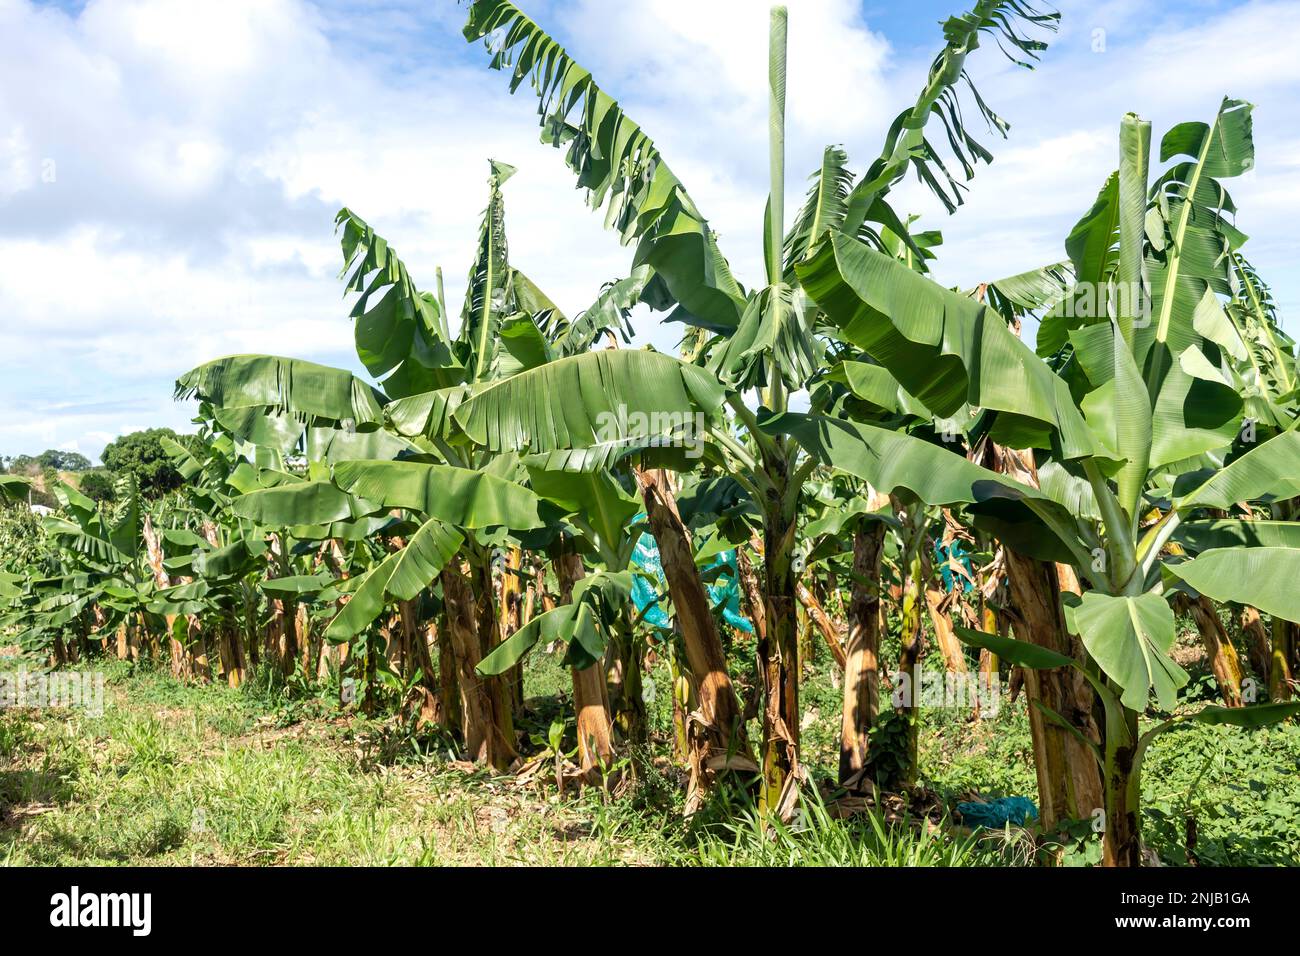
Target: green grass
<point x="173" y="775"/>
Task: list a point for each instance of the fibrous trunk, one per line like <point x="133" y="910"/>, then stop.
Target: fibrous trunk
<point x="822" y="622"/>
<point x="1258" y="645"/>
<point x="1284" y="644"/>
<point x="778" y="654"/>
<point x="912" y="638"/>
<point x="489" y="636"/>
<point x="448" y="679"/>
<point x="1224" y="661"/>
<point x="939" y="604"/>
<point x="233" y="662"/>
<point x="483" y="742"/>
<point x="590" y="696"/>
<point x="862" y="654"/>
<point x="1121" y="843"/>
<point x="624" y="680"/>
<point x="716" y="731"/>
<point x="1069" y="783"/>
<point x="415" y="645"/>
<point x="153" y="552"/>
<point x="512" y="618"/>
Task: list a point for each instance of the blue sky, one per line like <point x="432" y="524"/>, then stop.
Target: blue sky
<point x="170" y="169"/>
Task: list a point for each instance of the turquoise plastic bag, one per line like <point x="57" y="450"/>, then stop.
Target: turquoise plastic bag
<point x="998" y="813"/>
<point x="955" y="552"/>
<point x="724" y="592"/>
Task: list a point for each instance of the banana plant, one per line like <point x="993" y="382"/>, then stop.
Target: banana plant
<point x="403" y="338"/>
<point x="101" y="564"/>
<point x="1263" y="366"/>
<point x="1136" y="431"/>
<point x="764" y="338"/>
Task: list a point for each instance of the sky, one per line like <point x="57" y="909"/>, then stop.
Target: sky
<point x="170" y="169"/>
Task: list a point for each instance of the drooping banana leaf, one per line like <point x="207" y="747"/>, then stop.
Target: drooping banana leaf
<point x="608" y="313"/>
<point x="943" y="347"/>
<point x="594" y="496"/>
<point x="1129" y="637"/>
<point x="282" y="385"/>
<point x="907" y="144"/>
<point x="400" y="331"/>
<point x="615" y="161"/>
<point x="590" y="399"/>
<point x="457" y="496"/>
<point x="302" y="503"/>
<point x="400" y="576"/>
<point x="1208" y="533"/>
<point x="1271" y="468"/>
<point x="1263" y="577"/>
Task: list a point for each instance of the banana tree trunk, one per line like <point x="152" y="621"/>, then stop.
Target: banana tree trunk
<point x="336" y="654"/>
<point x="196" y="649"/>
<point x="478" y="728"/>
<point x="595" y="729"/>
<point x="1259" y="647"/>
<point x="489" y="633"/>
<point x="512" y="618"/>
<point x="1121" y="844"/>
<point x="234" y="664"/>
<point x="395" y="645"/>
<point x="1224" y="661"/>
<point x="822" y="621"/>
<point x="249" y="622"/>
<point x="862" y="655"/>
<point x="590" y="697"/>
<point x="1069" y="783"/>
<point x="1279" y="676"/>
<point x="307" y="649"/>
<point x="448" y="679"/>
<point x="1068" y="779"/>
<point x="282" y="638"/>
<point x="751" y="593"/>
<point x="939" y="604"/>
<point x="624" y="680"/>
<point x="988" y="664"/>
<point x="778" y="654"/>
<point x="717" y="736"/>
<point x="416" y="645"/>
<point x="912" y="638"/>
<point x="154" y="555"/>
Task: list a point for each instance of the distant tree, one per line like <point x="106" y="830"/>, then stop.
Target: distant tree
<point x="24" y="465"/>
<point x="141" y="454"/>
<point x="61" y="460"/>
<point x="97" y="485"/>
<point x="50" y="460"/>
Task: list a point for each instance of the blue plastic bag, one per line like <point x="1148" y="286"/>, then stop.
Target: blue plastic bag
<point x="724" y="592"/>
<point x="996" y="814"/>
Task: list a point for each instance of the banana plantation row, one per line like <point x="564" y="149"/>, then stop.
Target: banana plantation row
<point x="852" y="447"/>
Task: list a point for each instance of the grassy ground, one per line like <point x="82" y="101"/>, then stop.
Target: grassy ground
<point x="174" y="774"/>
